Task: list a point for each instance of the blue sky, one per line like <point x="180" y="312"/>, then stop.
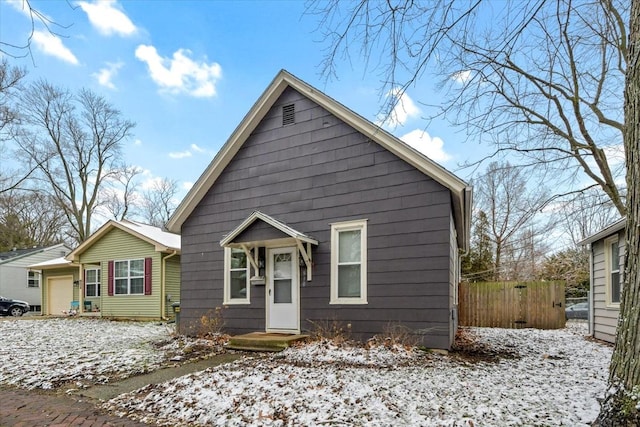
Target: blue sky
<point x="188" y="71"/>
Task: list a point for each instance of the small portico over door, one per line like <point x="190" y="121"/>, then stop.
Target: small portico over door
<point x="283" y="290"/>
<point x="275" y="254"/>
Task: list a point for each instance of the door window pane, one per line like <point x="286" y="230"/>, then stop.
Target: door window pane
<point x="282" y="291"/>
<point x="282" y="266"/>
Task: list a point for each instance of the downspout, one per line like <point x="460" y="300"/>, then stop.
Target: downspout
<point x="163" y="285"/>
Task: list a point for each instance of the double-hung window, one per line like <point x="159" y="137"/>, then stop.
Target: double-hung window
<point x="612" y="258"/>
<point x="129" y="277"/>
<point x="33" y="279"/>
<point x="349" y="262"/>
<point x="236" y="277"/>
<point x="92" y="282"/>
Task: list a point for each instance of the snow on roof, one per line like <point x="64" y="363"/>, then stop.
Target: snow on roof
<point x="156" y="234"/>
<point x="56" y="262"/>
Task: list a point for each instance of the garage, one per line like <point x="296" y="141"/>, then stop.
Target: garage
<point x="60" y="294"/>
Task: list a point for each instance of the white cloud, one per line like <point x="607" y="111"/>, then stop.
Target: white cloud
<point x="461" y="76"/>
<point x="180" y="154"/>
<point x="137" y="142"/>
<point x="187" y="185"/>
<point x="432" y="147"/>
<point x="108" y="18"/>
<point x="404" y="109"/>
<point x="19" y="5"/>
<point x="181" y="74"/>
<point x="52" y="45"/>
<point x="197" y="149"/>
<point x="105" y="75"/>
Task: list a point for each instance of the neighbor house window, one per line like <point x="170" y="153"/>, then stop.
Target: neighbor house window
<point x="349" y="262"/>
<point x="612" y="258"/>
<point x="236" y="277"/>
<point x="33" y="280"/>
<point x="92" y="282"/>
<point x="129" y="277"/>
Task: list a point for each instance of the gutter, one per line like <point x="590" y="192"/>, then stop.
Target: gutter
<point x="163" y="285"/>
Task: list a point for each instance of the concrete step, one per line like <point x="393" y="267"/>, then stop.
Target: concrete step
<point x="264" y="341"/>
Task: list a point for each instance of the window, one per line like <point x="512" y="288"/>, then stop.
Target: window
<point x="92" y="282"/>
<point x="236" y="277"/>
<point x="349" y="262"/>
<point x="612" y="259"/>
<point x="129" y="277"/>
<point x="33" y="280"/>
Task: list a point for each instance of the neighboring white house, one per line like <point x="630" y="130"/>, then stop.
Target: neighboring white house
<point x="606" y="264"/>
<point x="17" y="281"/>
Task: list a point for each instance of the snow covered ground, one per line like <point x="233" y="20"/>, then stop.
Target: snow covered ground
<point x="526" y="377"/>
<point x="504" y="377"/>
<point x="47" y="353"/>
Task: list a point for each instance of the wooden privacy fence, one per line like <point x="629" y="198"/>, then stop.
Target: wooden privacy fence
<point x="512" y="304"/>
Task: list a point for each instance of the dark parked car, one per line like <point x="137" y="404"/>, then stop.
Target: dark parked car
<point x="578" y="311"/>
<point x="13" y="307"/>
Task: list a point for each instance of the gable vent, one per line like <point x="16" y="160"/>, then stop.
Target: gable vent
<point x="288" y="114"/>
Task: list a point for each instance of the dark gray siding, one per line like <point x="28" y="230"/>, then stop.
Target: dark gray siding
<point x="257" y="231"/>
<point x="310" y="174"/>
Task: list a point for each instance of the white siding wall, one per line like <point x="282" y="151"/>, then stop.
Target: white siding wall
<point x="14" y="275"/>
<point x="605" y="317"/>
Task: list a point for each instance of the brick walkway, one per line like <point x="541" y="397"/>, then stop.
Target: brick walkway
<point x="22" y="408"/>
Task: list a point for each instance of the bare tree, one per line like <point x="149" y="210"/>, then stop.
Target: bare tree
<point x="158" y="203"/>
<point x="584" y="214"/>
<point x="121" y="199"/>
<point x="28" y="219"/>
<point x="542" y="79"/>
<point x="35" y="18"/>
<point x="11" y="85"/>
<point x="511" y="207"/>
<point x="620" y="406"/>
<point x="74" y="141"/>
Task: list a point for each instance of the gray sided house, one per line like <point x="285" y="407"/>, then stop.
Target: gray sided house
<point x="18" y="281"/>
<point x="310" y="215"/>
<point x="606" y="258"/>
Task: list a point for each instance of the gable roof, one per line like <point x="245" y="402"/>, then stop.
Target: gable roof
<point x="460" y="190"/>
<point x="278" y="225"/>
<point x="16" y="254"/>
<point x="163" y="241"/>
<point x="605" y="232"/>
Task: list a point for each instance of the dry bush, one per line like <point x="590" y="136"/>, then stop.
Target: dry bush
<point x="211" y="324"/>
<point x="332" y="330"/>
<point x="394" y="335"/>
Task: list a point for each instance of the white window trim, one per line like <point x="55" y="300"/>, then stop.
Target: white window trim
<point x="97" y="282"/>
<point x="608" y="271"/>
<point x="128" y="277"/>
<point x="337" y="228"/>
<point x="37" y="278"/>
<point x="227" y="281"/>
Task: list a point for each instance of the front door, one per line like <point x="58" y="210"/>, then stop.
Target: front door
<point x="283" y="311"/>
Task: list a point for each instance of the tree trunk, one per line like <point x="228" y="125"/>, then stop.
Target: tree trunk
<point x="621" y="406"/>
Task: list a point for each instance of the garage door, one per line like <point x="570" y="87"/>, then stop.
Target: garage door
<point x="60" y="294"/>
